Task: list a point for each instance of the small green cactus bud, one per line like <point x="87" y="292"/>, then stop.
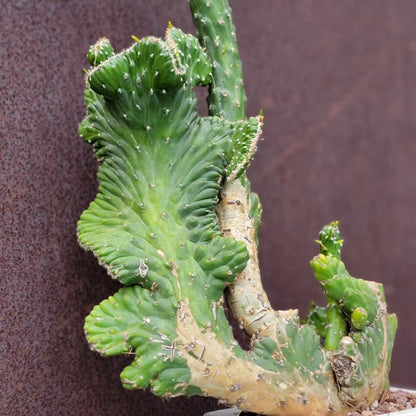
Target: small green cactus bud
<point x="101" y="51"/>
<point x="330" y="240"/>
<point x="359" y="318"/>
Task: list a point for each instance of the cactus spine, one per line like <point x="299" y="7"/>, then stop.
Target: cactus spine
<point x="175" y="221"/>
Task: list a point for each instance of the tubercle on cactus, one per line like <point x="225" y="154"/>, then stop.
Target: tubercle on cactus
<point x="175" y="221"/>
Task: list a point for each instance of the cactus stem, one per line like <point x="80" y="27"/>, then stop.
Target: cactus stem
<point x="224" y="376"/>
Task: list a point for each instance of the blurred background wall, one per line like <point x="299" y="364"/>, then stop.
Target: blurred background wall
<point x="337" y="85"/>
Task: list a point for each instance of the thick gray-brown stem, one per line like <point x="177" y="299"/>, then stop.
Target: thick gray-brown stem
<point x="246" y="296"/>
<point x="242" y="383"/>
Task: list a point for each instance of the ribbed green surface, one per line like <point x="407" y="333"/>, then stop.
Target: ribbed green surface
<point x="153" y="221"/>
<point x="216" y="32"/>
<point x="140" y="322"/>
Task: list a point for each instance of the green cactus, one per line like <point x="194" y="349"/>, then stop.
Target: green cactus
<point x="175" y="221"/>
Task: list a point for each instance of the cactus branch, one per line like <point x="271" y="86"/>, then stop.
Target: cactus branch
<point x="216" y="33"/>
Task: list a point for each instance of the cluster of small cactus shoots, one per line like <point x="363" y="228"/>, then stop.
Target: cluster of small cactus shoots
<point x="175" y="221"/>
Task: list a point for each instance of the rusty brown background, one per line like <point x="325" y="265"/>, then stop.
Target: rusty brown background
<point x="337" y="85"/>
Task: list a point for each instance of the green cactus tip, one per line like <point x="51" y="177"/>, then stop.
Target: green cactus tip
<point x="100" y="51"/>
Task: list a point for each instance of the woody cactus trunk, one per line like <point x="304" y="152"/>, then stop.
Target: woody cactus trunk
<point x="175" y="221"/>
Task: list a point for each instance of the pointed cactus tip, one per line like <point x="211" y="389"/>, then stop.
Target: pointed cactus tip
<point x="330" y="240"/>
<point x="100" y="51"/>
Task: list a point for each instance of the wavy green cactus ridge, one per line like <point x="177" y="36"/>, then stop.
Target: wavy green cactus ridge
<point x="153" y="221"/>
<point x="144" y="225"/>
<point x="154" y="226"/>
<point x="159" y="173"/>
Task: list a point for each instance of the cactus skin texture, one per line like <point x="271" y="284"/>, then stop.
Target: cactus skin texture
<point x="176" y="223"/>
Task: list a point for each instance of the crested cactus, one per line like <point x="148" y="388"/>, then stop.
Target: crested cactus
<point x="175" y="221"/>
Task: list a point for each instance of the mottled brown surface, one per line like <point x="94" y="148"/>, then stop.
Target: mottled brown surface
<point x="337" y="85"/>
<point x="391" y="401"/>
